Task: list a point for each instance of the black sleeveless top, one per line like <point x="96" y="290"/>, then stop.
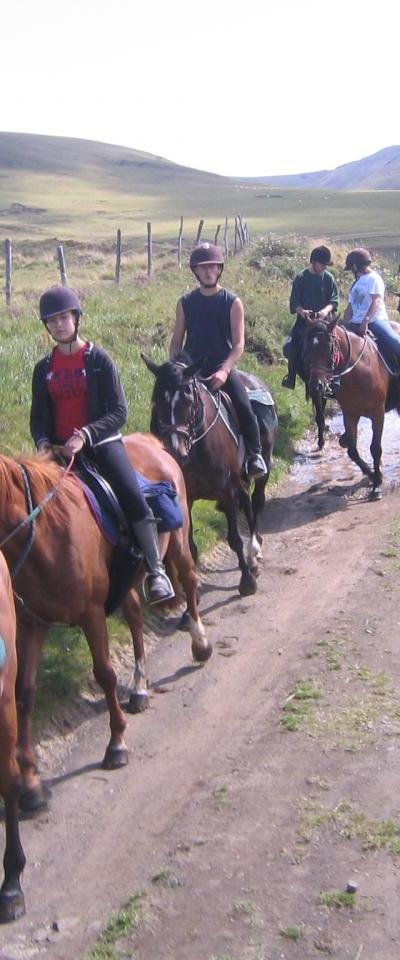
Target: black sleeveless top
<point x="208" y="327"/>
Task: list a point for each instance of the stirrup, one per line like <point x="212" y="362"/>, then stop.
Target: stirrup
<point x="164" y="583"/>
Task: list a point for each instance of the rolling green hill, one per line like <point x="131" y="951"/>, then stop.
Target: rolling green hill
<point x="54" y="187"/>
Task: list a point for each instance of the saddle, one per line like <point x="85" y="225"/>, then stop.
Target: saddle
<point x="111" y="520"/>
<point x="262" y="404"/>
<point x="391" y="361"/>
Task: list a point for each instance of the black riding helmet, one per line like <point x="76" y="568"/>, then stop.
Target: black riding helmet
<point x="59" y="300"/>
<point x="358" y="258"/>
<point x="206" y="253"/>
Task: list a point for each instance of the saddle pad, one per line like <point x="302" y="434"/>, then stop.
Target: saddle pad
<point x="161" y="497"/>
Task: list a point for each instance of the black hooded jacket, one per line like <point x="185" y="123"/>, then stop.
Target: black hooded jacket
<point x="107" y="404"/>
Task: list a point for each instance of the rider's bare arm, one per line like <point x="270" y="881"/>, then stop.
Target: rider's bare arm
<point x="237" y="337"/>
<point x="179" y="331"/>
<point x="376" y="301"/>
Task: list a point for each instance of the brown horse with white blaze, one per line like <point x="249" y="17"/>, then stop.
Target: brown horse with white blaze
<point x="65" y="578"/>
<point x="367" y="389"/>
<point x="12" y="903"/>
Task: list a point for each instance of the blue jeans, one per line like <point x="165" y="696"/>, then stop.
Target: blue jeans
<point x="385" y="335"/>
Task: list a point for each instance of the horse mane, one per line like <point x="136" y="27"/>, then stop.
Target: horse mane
<point x="171" y="374"/>
<point x="43" y="476"/>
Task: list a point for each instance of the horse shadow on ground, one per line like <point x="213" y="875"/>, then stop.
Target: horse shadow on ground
<point x="311" y="505"/>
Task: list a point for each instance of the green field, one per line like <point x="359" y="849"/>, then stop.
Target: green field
<point x="51" y="187"/>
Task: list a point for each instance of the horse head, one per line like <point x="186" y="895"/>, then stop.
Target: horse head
<point x="320" y="353"/>
<point x="177" y="407"/>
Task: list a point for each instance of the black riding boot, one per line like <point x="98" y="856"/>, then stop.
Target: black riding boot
<point x="290" y="380"/>
<point x="256" y="466"/>
<point x="159" y="585"/>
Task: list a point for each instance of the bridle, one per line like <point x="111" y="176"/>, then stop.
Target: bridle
<point x="335" y="356"/>
<point x="196" y="420"/>
<point x="30" y="519"/>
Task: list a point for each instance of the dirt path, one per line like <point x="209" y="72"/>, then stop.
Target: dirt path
<point x="228" y="822"/>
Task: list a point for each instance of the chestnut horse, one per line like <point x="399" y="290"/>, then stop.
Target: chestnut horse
<point x="65" y="577"/>
<point x="187" y="419"/>
<point x="367" y="388"/>
<point x="12" y="903"/>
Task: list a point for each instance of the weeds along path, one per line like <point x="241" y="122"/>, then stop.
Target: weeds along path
<point x="258" y="785"/>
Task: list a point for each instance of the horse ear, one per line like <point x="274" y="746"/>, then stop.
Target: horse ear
<point x="153" y="367"/>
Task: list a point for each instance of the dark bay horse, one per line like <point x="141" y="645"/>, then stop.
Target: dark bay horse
<point x="367" y="388"/>
<point x="12" y="903"/>
<point x="185" y="416"/>
<point x="65" y="578"/>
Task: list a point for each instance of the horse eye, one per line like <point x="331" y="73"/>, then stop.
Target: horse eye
<point x="187" y="392"/>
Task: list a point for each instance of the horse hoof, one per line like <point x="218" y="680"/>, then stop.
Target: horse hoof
<point x="114" y="758"/>
<point x="12" y="906"/>
<point x="248" y="586"/>
<point x="201" y="653"/>
<point x="34" y="801"/>
<point x="376" y="494"/>
<point x="138" y="703"/>
<point x="184" y="623"/>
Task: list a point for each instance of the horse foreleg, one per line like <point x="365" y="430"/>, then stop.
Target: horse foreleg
<point x="139" y="697"/>
<point x="376" y="453"/>
<point x="12" y="904"/>
<point x="181" y="556"/>
<point x="30" y="640"/>
<point x="95" y="628"/>
<point x="248" y="582"/>
<point x="319" y="407"/>
<point x="350" y="425"/>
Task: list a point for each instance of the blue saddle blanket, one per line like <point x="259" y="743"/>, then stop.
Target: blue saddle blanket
<point x="161" y="497"/>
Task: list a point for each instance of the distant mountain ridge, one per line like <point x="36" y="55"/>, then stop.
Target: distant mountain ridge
<point x="379" y="171"/>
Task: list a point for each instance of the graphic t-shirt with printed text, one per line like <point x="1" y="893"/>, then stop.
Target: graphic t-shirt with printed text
<point x="66" y="383"/>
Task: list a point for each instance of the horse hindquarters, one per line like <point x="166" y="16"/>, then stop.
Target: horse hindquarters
<point x="12" y="904"/>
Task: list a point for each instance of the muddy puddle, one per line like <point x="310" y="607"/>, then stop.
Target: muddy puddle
<point x="333" y="463"/>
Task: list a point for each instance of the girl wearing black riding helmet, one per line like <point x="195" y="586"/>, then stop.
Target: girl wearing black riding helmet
<point x="210" y="326"/>
<point x="78" y="402"/>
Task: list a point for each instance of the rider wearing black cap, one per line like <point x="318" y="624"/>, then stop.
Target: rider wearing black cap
<point x="78" y="402"/>
<point x="314" y="294"/>
<point x="210" y="326"/>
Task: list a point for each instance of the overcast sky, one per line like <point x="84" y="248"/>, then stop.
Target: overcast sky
<point x="242" y="88"/>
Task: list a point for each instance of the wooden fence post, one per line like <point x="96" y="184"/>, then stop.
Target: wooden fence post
<point x="61" y="263"/>
<point x="8" y="252"/>
<point x="226" y="246"/>
<point x="118" y="258"/>
<point x="241" y="232"/>
<point x="149" y="250"/>
<point x="216" y="233"/>
<point x="235" y="245"/>
<point x="180" y="245"/>
<point x="199" y="229"/>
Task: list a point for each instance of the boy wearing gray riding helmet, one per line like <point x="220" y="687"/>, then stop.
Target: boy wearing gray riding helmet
<point x="209" y="325"/>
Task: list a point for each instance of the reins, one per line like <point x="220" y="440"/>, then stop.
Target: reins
<point x="189" y="431"/>
<point x="33" y="513"/>
<point x="333" y="369"/>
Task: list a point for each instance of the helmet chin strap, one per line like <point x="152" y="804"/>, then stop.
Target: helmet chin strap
<point x="209" y="286"/>
<point x="71" y="339"/>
